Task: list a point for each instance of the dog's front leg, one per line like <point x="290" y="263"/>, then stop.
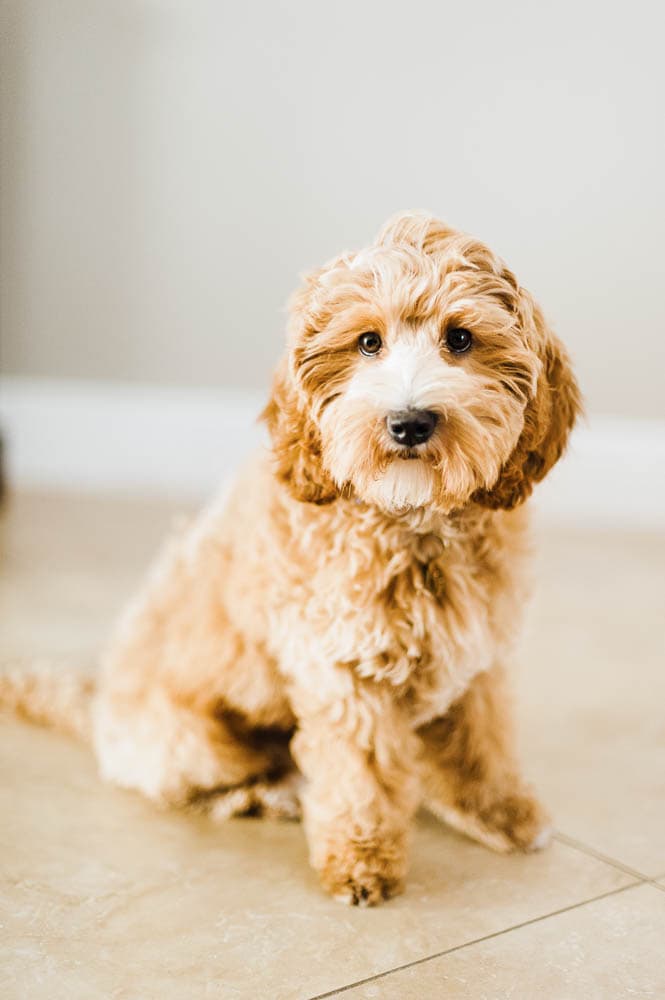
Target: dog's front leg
<point x="359" y="757"/>
<point x="470" y="773"/>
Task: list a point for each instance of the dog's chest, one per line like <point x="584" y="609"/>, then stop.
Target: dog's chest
<point x="435" y="628"/>
<point x="407" y="609"/>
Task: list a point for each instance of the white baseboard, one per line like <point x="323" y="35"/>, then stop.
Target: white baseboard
<point x="78" y="435"/>
<point x="613" y="474"/>
<point x="71" y="435"/>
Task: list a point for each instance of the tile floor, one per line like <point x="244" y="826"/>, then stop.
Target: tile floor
<point x="102" y="896"/>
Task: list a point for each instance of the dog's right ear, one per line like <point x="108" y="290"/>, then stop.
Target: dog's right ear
<point x="296" y="442"/>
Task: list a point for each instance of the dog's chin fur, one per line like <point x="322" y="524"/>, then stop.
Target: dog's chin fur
<point x="378" y="638"/>
<point x="404" y="484"/>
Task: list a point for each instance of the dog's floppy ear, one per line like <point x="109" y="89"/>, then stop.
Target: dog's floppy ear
<point x="548" y="419"/>
<point x="296" y="442"/>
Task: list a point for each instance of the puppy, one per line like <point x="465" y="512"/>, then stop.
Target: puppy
<point x="354" y="602"/>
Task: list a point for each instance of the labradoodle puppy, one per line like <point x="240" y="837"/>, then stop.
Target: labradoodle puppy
<point x="350" y="608"/>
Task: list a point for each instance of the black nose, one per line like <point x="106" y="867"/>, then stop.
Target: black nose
<point x="409" y="427"/>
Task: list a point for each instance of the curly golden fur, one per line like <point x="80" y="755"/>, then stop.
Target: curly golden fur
<point x="352" y="605"/>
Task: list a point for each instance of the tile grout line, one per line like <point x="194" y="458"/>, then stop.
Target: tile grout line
<point x="561" y="838"/>
<point x="480" y="940"/>
<point x="579" y="845"/>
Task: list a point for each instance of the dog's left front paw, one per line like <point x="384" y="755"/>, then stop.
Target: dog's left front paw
<point x="511" y="822"/>
<point x="520" y="821"/>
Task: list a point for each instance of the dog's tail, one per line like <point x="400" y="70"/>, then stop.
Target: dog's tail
<point x="49" y="696"/>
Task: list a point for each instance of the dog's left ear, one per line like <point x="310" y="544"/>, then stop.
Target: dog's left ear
<point x="548" y="419"/>
<point x="296" y="442"/>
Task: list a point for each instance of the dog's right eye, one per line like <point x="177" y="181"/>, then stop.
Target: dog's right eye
<point x="369" y="343"/>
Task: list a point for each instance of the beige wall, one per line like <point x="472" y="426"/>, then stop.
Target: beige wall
<point x="168" y="168"/>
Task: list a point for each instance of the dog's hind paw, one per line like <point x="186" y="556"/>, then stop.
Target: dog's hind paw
<point x="274" y="799"/>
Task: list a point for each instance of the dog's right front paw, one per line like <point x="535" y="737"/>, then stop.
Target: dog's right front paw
<point x="363" y="873"/>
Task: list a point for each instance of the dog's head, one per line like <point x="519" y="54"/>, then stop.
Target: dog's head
<point x="418" y="373"/>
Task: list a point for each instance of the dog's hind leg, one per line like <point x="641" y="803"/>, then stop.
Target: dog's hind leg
<point x="277" y="797"/>
<point x="168" y="751"/>
<point x="183" y="686"/>
<point x="470" y="774"/>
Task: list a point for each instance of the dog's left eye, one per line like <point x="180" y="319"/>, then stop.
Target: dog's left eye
<point x="369" y="343"/>
<point x="459" y="340"/>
